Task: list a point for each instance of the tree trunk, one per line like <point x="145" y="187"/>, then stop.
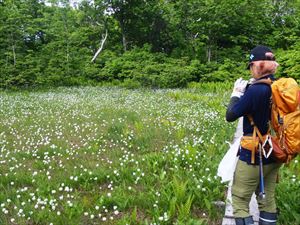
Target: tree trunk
<point x="13" y="49"/>
<point x="101" y="46"/>
<point x="66" y="37"/>
<point x="68" y="65"/>
<point x="124" y="42"/>
<point x="208" y="53"/>
<point x="14" y="54"/>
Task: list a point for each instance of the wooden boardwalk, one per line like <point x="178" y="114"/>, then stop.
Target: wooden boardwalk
<point x="228" y="217"/>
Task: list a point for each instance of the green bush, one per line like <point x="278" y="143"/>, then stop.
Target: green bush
<point x="136" y="68"/>
<point x="148" y="69"/>
<point x="160" y="71"/>
<point x="130" y="84"/>
<point x="289" y="63"/>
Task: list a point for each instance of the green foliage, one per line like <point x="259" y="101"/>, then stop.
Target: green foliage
<point x="289" y="62"/>
<point x="184" y="209"/>
<point x="139" y="156"/>
<point x="200" y="41"/>
<point x="131" y="84"/>
<point x="140" y="67"/>
<point x="179" y="189"/>
<point x="287" y="193"/>
<point x="134" y="218"/>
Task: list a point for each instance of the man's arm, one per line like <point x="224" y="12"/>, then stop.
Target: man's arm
<point x="230" y="115"/>
<point x="238" y="91"/>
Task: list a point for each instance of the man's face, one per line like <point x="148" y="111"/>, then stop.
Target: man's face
<point x="263" y="67"/>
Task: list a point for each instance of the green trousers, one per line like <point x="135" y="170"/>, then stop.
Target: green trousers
<point x="246" y="181"/>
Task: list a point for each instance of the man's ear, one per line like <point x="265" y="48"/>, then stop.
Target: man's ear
<point x="261" y="66"/>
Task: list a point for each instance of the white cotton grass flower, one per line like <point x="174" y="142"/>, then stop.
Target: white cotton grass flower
<point x="5" y="211"/>
<point x="166" y="218"/>
<point x="58" y="116"/>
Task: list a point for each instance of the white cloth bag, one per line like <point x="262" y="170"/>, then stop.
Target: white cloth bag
<point x="228" y="163"/>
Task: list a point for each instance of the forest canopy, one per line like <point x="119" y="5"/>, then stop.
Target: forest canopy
<point x="153" y="43"/>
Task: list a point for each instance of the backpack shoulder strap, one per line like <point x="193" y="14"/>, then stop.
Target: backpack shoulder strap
<point x="263" y="81"/>
<point x="256" y="130"/>
<point x="255" y="133"/>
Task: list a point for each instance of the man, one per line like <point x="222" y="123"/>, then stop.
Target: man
<point x="254" y="101"/>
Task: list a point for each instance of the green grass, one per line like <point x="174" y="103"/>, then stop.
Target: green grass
<point x="105" y="155"/>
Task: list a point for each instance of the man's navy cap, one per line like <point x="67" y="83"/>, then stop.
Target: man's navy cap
<point x="260" y="52"/>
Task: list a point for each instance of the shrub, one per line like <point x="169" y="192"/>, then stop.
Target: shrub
<point x="147" y="69"/>
<point x="289" y="63"/>
<point x="131" y="84"/>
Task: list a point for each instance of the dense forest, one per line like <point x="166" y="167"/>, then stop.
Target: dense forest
<point x="154" y="43"/>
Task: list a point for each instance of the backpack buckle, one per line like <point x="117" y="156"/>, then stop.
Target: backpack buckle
<point x="267" y="147"/>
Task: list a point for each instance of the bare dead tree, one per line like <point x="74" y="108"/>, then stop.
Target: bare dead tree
<point x="101" y="46"/>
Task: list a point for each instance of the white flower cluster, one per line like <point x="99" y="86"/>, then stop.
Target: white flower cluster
<point x="71" y="150"/>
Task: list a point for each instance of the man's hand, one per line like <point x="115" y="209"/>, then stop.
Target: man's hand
<point x="239" y="88"/>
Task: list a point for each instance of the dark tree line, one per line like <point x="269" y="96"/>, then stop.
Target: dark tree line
<point x="164" y="43"/>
